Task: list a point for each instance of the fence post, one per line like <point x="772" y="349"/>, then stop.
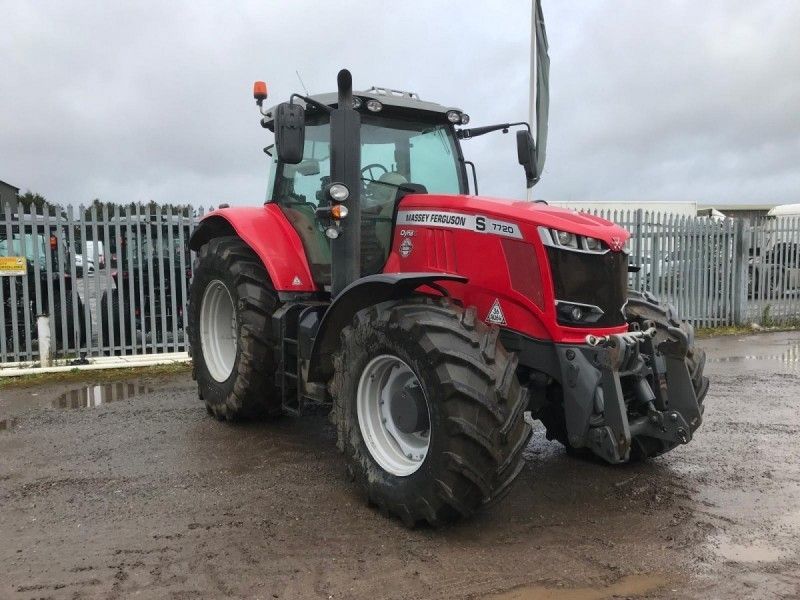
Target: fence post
<point x="740" y="274"/>
<point x="637" y="229"/>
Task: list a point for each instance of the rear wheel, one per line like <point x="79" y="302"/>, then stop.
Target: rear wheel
<point x="230" y="315"/>
<point x="429" y="412"/>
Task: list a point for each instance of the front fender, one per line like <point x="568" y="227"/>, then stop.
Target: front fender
<point x="267" y="231"/>
<point x="360" y="294"/>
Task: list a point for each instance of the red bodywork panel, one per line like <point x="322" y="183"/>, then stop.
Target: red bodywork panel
<point x="501" y="254"/>
<point x="267" y="231"/>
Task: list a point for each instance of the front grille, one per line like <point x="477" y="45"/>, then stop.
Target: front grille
<point x="591" y="279"/>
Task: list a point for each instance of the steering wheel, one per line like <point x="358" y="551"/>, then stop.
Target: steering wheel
<point x="368" y="170"/>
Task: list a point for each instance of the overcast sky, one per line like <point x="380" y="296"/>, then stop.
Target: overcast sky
<point x="650" y="99"/>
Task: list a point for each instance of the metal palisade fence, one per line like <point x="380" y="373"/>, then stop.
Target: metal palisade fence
<point x="716" y="271"/>
<point x="114" y="280"/>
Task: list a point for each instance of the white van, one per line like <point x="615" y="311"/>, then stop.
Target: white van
<point x="99" y="261"/>
<point x="785" y="210"/>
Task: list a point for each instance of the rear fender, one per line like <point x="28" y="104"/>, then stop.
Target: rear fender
<point x="360" y="294"/>
<point x="270" y="235"/>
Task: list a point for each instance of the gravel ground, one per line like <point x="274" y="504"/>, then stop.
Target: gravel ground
<point x="132" y="490"/>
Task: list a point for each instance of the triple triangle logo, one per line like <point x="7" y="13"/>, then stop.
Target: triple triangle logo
<point x="496" y="315"/>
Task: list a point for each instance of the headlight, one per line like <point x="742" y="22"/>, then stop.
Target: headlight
<point x="464" y="118"/>
<point x="575" y="313"/>
<point x="356" y="102"/>
<point x="566" y="239"/>
<point x="454" y="117"/>
<point x="374" y="106"/>
<point x="338" y="192"/>
<point x="593" y="244"/>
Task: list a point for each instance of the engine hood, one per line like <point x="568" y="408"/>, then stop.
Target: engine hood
<point x="522" y="213"/>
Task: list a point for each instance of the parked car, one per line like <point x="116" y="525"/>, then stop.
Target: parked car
<point x="142" y="255"/>
<point x="95" y="248"/>
<point x="82" y="265"/>
<point x="774" y="264"/>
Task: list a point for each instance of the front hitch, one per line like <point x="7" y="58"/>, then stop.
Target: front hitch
<point x="596" y="409"/>
<point x="616" y="354"/>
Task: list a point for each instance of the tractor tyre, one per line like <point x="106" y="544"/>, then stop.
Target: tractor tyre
<point x="230" y="331"/>
<point x="428" y="409"/>
<point x="645" y="307"/>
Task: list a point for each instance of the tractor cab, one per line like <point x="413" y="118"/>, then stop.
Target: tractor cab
<point x="389" y="144"/>
<point x="406" y="146"/>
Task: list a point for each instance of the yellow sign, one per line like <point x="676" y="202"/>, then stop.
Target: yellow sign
<point x="13" y="265"/>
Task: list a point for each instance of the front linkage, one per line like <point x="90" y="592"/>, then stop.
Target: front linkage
<point x="616" y="391"/>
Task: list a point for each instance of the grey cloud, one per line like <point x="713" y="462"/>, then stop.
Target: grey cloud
<point x="650" y="100"/>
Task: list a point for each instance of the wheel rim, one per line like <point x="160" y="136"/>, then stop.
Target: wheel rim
<point x="218" y="330"/>
<point x="393" y="415"/>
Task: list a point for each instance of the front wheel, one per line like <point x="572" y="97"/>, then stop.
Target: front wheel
<point x="642" y="309"/>
<point x="429" y="412"/>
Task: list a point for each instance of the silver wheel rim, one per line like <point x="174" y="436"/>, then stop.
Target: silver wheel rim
<point x="387" y="385"/>
<point x="218" y="330"/>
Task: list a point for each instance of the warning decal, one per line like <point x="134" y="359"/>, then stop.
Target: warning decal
<point x="496" y="315"/>
<point x="13" y="265"/>
<point x="452" y="220"/>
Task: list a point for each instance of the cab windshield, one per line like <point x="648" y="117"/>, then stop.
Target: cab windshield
<point x="394" y="152"/>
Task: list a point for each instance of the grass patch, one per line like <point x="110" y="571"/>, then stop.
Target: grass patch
<point x="98" y="376"/>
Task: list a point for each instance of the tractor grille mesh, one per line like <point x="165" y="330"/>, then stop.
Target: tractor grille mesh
<point x="596" y="279"/>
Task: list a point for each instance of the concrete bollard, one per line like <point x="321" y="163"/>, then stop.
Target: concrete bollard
<point x="43" y="332"/>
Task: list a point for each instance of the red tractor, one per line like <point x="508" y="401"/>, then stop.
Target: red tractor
<point x="426" y="319"/>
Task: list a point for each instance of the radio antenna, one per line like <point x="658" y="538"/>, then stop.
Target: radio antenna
<point x="301" y="82"/>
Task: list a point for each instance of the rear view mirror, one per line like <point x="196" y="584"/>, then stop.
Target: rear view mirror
<point x="290" y="132"/>
<point x="526" y="154"/>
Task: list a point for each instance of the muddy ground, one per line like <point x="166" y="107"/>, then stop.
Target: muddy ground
<point x="148" y="496"/>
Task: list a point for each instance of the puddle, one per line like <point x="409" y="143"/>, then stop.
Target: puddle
<point x="632" y="585"/>
<point x="92" y="396"/>
<point x="756" y="551"/>
<point x="7" y="424"/>
<point x="788" y="356"/>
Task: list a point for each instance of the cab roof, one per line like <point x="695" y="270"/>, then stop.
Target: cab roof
<point x="396" y="99"/>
